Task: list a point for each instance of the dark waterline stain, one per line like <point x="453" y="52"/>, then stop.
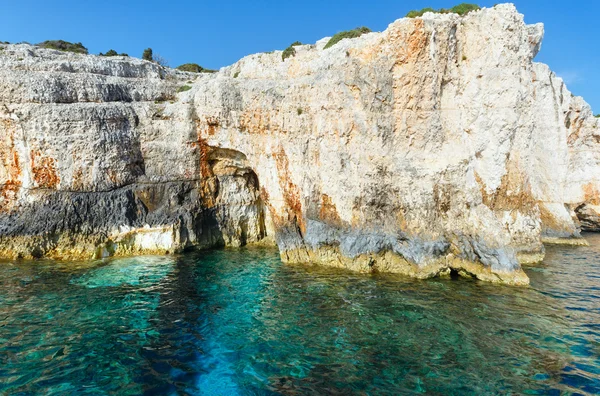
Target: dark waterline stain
<point x="241" y="322"/>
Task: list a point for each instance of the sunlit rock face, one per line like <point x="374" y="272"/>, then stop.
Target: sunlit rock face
<point x="91" y="167"/>
<point x="437" y="145"/>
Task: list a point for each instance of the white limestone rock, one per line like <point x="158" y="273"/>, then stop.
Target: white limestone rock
<point x="433" y="146"/>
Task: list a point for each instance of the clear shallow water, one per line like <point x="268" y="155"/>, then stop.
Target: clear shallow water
<point x="240" y="322"/>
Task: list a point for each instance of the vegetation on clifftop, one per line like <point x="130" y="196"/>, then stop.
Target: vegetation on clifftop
<point x="147" y="55"/>
<point x="194" y="68"/>
<point x="62" y="45"/>
<point x="290" y="51"/>
<point x="151" y="57"/>
<point x="461" y="9"/>
<point x="347" y="34"/>
<point x="112" y="52"/>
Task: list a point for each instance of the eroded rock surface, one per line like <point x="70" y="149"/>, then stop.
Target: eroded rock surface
<point x="437" y="145"/>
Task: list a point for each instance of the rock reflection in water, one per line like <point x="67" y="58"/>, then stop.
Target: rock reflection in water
<point x="240" y="322"/>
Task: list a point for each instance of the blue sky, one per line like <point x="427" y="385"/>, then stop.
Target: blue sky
<point x="217" y="33"/>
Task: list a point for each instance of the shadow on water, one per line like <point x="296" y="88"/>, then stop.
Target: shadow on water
<point x="240" y="322"/>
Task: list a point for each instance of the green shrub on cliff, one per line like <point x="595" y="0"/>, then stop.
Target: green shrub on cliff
<point x="415" y="13"/>
<point x="347" y="34"/>
<point x="112" y="52"/>
<point x="184" y="88"/>
<point x="461" y="9"/>
<point x="150" y="56"/>
<point x="290" y="51"/>
<point x="62" y="45"/>
<point x="190" y="67"/>
<point x="194" y="68"/>
<point x="464" y="8"/>
<point x="597" y="116"/>
<point x="147" y="55"/>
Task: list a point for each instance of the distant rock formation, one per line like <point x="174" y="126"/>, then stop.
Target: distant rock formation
<point x="437" y="145"/>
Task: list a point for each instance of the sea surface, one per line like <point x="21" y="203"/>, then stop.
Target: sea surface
<point x="235" y="322"/>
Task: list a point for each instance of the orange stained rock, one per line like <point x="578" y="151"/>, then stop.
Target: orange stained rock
<point x="514" y="192"/>
<point x="417" y="40"/>
<point x="8" y="195"/>
<point x="9" y="155"/>
<point x="10" y="186"/>
<point x="575" y="126"/>
<point x="203" y="148"/>
<point x="43" y="170"/>
<point x="328" y="211"/>
<point x="591" y="194"/>
<point x="257" y="121"/>
<point x="289" y="190"/>
<point x="213" y="124"/>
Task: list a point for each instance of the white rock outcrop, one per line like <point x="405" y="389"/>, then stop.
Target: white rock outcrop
<point x="433" y="146"/>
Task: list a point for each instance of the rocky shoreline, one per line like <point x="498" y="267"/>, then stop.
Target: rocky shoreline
<point x="437" y="145"/>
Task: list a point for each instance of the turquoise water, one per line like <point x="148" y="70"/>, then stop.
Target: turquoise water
<point x="241" y="322"/>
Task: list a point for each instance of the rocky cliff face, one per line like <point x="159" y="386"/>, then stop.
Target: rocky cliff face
<point x="433" y="146"/>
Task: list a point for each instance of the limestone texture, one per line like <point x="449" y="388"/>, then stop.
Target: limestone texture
<point x="435" y="146"/>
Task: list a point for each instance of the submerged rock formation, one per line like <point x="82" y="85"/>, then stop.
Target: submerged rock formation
<point x="437" y="145"/>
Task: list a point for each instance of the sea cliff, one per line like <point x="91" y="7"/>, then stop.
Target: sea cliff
<point x="437" y="145"/>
